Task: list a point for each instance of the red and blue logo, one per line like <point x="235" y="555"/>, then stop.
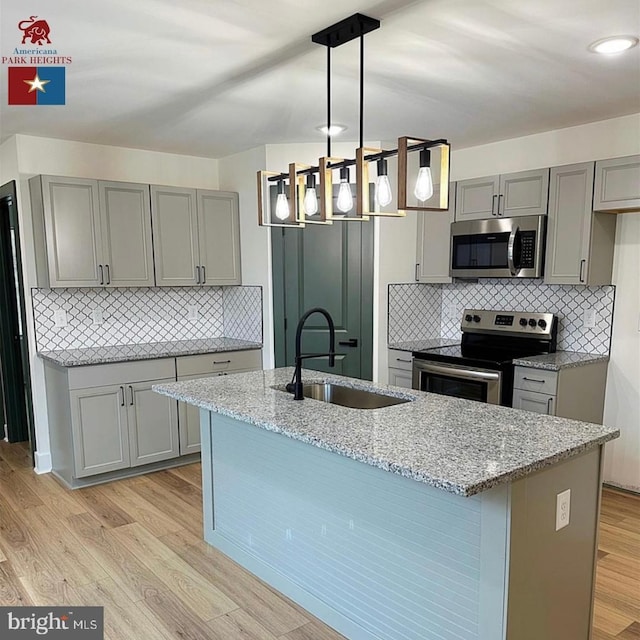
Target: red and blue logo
<point x="36" y="85"/>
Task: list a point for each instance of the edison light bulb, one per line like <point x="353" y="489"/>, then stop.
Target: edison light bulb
<point x="424" y="184"/>
<point x="345" y="199"/>
<point x="383" y="191"/>
<point x="282" y="207"/>
<point x="310" y="202"/>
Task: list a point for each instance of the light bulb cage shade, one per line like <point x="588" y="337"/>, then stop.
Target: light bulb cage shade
<point x="298" y="182"/>
<point x="266" y="212"/>
<point x="363" y="190"/>
<point x="440" y="201"/>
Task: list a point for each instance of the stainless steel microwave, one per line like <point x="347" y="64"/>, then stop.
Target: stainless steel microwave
<point x="498" y="248"/>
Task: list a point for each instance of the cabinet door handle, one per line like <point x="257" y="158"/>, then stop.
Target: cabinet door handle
<point x="131" y="390"/>
<point x="493" y="205"/>
<point x="197" y="275"/>
<point x="416" y="274"/>
<point x="582" y="266"/>
<point x="122" y="401"/>
<point x="534" y="380"/>
<point x="204" y="274"/>
<point x="101" y="275"/>
<point x="108" y="271"/>
<point x="401" y="360"/>
<point x="500" y="199"/>
<point x="549" y="401"/>
<point x="222" y="362"/>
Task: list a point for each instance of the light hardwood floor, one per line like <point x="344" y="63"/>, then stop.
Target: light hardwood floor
<point x="134" y="547"/>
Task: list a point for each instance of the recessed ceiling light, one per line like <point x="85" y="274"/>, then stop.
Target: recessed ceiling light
<point x="613" y="44"/>
<point x="333" y="130"/>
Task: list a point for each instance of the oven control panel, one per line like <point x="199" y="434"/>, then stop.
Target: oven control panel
<point x="513" y="322"/>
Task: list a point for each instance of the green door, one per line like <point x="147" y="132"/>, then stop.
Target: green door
<point x="332" y="267"/>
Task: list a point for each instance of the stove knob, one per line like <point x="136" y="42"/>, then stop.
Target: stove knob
<point x="468" y="318"/>
<point x="542" y="324"/>
<point x="476" y="318"/>
<point x="523" y="322"/>
<point x="532" y="323"/>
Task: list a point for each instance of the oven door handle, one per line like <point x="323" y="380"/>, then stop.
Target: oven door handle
<point x="511" y="251"/>
<point x="466" y="374"/>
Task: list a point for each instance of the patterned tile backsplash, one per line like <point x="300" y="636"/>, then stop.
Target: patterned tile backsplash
<point x="142" y="315"/>
<point x="421" y="311"/>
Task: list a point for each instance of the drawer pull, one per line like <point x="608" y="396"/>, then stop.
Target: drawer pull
<point x="122" y="390"/>
<point x="534" y="380"/>
<point x="222" y="362"/>
<point x="401" y="360"/>
<point x="549" y="401"/>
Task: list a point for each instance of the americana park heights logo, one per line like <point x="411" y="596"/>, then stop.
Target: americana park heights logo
<point x="35" y="75"/>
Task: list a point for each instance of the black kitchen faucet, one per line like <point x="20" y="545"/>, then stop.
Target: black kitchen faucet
<point x="295" y="386"/>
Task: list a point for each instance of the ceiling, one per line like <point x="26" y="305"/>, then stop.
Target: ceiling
<point x="214" y="77"/>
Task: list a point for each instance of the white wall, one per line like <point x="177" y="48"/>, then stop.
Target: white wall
<point x="26" y="156"/>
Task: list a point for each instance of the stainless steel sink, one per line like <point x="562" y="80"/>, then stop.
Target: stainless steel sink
<point x="348" y="397"/>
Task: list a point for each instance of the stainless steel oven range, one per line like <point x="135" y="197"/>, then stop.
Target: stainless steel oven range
<point x="481" y="367"/>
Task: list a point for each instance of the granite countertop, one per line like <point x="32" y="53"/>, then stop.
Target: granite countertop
<point x="146" y="351"/>
<point x="456" y="445"/>
<point x="560" y="360"/>
<point x="422" y="345"/>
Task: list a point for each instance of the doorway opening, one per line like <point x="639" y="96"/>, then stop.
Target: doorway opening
<point x="17" y="403"/>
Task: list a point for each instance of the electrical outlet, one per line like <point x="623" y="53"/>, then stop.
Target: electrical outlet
<point x="96" y="316"/>
<point x="563" y="509"/>
<point x="60" y="318"/>
<point x="588" y="318"/>
<point x="192" y="312"/>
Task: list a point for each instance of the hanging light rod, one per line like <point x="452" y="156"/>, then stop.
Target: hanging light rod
<point x="346" y="30"/>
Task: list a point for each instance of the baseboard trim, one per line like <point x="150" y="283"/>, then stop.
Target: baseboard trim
<point x="43" y="462"/>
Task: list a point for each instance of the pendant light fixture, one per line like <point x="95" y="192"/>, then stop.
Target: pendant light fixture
<point x="304" y="203"/>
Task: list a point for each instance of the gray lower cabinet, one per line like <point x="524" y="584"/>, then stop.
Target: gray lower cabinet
<point x="91" y="234"/>
<point x="196" y="235"/>
<point x="571" y="392"/>
<point x="400" y="368"/>
<point x="433" y="247"/>
<point x="580" y="243"/>
<point x="105" y="418"/>
<point x="206" y="366"/>
<point x="523" y="193"/>
<point x="617" y="186"/>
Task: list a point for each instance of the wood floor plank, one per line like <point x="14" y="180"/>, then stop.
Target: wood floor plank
<point x="313" y="630"/>
<point x="103" y="508"/>
<point x="609" y="620"/>
<point x="12" y="592"/>
<point x="271" y="610"/>
<point x="181" y="488"/>
<point x="45" y="592"/>
<point x="62" y="548"/>
<point x="176" y="618"/>
<point x="629" y="567"/>
<point x="17" y="456"/>
<point x="52" y="493"/>
<point x="190" y="472"/>
<point x="632" y="632"/>
<point x="198" y="594"/>
<point x="621" y="542"/>
<point x="618" y="592"/>
<point x="122" y="618"/>
<point x="122" y="566"/>
<point x="238" y="625"/>
<point x="172" y="505"/>
<point x="180" y="539"/>
<point x="17" y="492"/>
<point x="141" y="510"/>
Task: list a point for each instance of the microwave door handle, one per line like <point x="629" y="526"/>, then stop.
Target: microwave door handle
<point x="511" y="250"/>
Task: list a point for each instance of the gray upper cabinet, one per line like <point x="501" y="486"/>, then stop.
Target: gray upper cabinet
<point x="196" y="236"/>
<point x="513" y="194"/>
<point x="617" y="186"/>
<point x="91" y="234"/>
<point x="126" y="230"/>
<point x="219" y="237"/>
<point x="433" y="253"/>
<point x="67" y="231"/>
<point x="579" y="242"/>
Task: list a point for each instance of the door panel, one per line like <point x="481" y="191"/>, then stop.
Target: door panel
<point x="525" y="193"/>
<point x="219" y="237"/>
<point x="534" y="402"/>
<point x="100" y="434"/>
<point x="74" y="235"/>
<point x="175" y="236"/>
<point x="126" y="229"/>
<point x="476" y="198"/>
<point x="153" y="424"/>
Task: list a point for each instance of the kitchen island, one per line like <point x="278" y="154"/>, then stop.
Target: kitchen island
<point x="431" y="519"/>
